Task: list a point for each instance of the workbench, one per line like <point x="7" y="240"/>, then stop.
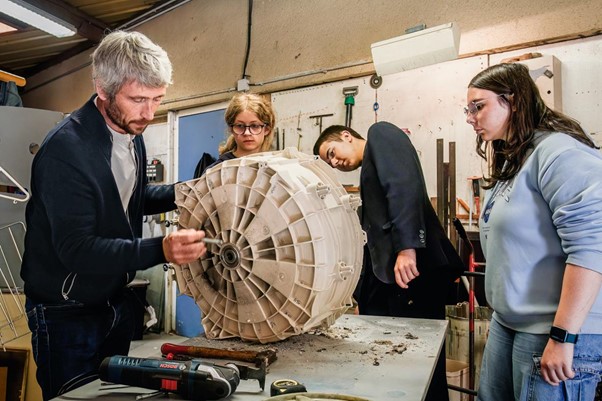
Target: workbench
<point x="373" y="357"/>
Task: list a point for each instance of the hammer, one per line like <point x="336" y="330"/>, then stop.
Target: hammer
<point x="261" y="359"/>
<point x="257" y="357"/>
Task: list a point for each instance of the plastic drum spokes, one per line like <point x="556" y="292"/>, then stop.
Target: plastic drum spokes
<point x="292" y="246"/>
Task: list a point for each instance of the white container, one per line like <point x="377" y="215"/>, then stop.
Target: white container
<point x="457" y="375"/>
<point x="457" y="342"/>
<point x="417" y="49"/>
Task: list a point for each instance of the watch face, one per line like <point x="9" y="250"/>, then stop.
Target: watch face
<point x="558" y="334"/>
<point x="562" y="336"/>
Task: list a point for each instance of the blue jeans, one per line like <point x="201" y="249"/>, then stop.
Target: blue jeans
<point x="587" y="364"/>
<point x="70" y="340"/>
<point x="510" y="368"/>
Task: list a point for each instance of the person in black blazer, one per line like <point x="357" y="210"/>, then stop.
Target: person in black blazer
<point x="89" y="193"/>
<point x="409" y="263"/>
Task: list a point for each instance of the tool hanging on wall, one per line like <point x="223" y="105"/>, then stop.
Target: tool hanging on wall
<point x="349" y="94"/>
<point x="375" y="106"/>
<point x="375" y="82"/>
<point x="319" y="120"/>
<point x="299" y="132"/>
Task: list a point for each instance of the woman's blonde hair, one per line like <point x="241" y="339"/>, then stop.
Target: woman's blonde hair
<point x="256" y="104"/>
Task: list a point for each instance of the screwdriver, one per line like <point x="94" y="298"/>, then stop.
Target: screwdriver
<point x="215" y="241"/>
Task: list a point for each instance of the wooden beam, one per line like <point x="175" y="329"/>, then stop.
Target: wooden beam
<point x="8" y="77"/>
<point x="534" y="43"/>
<point x="58" y="59"/>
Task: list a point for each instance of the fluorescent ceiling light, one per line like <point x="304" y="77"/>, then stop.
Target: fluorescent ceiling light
<point x="40" y="19"/>
<point x="6" y="28"/>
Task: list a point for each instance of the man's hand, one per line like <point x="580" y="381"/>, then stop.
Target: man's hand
<point x="405" y="267"/>
<point x="556" y="362"/>
<point x="184" y="246"/>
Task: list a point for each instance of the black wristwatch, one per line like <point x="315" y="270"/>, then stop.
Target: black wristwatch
<point x="562" y="336"/>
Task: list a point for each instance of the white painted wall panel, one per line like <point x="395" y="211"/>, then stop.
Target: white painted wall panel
<point x="429" y="102"/>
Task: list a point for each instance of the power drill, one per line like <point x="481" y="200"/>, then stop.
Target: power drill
<point x="193" y="380"/>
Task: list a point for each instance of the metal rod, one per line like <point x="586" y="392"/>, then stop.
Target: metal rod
<point x="461" y="389"/>
<point x="471" y="306"/>
<point x="348" y="115"/>
<point x="213" y="241"/>
<point x="451" y="199"/>
<point x="440" y="177"/>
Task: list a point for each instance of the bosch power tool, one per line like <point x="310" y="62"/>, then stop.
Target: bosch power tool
<point x="192" y="379"/>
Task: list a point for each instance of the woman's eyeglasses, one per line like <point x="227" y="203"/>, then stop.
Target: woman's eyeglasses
<point x="254" y="129"/>
<point x="474" y="107"/>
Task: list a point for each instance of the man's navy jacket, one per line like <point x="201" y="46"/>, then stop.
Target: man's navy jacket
<point x="80" y="245"/>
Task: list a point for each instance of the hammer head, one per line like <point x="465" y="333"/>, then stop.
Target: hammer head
<point x="262" y="360"/>
<point x="251" y="373"/>
<point x="268" y="356"/>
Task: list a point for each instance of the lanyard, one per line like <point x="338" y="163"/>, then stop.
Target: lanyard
<point x="499" y="188"/>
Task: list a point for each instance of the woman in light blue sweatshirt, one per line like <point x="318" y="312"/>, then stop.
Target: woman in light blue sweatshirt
<point x="541" y="233"/>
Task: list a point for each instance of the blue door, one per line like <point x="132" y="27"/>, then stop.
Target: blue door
<point x="198" y="134"/>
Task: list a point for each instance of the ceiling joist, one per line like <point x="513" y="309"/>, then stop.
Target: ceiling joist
<point x="92" y="20"/>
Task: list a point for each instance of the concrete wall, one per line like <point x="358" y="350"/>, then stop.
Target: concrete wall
<point x="300" y="43"/>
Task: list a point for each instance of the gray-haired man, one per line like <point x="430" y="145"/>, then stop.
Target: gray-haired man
<point x="84" y="220"/>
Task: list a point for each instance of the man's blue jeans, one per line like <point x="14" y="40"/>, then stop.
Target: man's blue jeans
<point x="70" y="340"/>
<point x="510" y="368"/>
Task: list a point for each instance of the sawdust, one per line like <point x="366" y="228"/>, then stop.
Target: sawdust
<point x="399" y="349"/>
<point x="326" y="340"/>
<point x="337" y="333"/>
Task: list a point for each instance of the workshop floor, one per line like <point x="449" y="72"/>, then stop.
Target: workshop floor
<point x="151" y="344"/>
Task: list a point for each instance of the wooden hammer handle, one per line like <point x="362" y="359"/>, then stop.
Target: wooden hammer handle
<point x="464" y="205"/>
<point x="206" y="352"/>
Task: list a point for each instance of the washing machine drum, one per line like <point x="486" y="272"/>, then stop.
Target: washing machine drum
<point x="292" y="246"/>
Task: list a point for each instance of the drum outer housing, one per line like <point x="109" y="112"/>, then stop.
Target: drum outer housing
<point x="292" y="246"/>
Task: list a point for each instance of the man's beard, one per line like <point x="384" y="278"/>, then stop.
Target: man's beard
<point x="117" y="118"/>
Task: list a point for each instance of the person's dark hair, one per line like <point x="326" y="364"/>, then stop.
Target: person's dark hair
<point x="528" y="114"/>
<point x="333" y="133"/>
